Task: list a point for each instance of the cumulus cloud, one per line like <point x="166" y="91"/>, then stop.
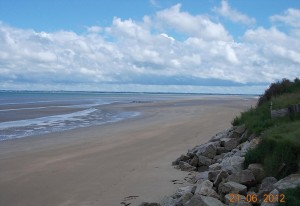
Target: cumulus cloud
<point x="235" y="16"/>
<point x="290" y="17"/>
<point x="146" y="56"/>
<point x="200" y="26"/>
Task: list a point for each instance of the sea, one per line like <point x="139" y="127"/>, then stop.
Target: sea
<point x="29" y="113"/>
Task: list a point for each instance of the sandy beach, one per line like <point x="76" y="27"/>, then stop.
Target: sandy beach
<point x="116" y="163"/>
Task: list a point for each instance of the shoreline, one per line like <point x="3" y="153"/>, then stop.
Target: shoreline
<point x="126" y="161"/>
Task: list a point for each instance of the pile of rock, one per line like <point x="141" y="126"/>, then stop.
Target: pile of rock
<point x="220" y="177"/>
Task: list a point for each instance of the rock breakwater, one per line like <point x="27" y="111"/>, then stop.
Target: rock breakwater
<point x="219" y="176"/>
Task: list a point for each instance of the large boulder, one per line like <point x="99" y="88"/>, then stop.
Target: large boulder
<point x="220" y="135"/>
<point x="169" y="201"/>
<point x="238" y="132"/>
<point x="200" y="176"/>
<point x="258" y="171"/>
<point x="183" y="158"/>
<point x="214" y="167"/>
<point x="267" y="185"/>
<point x="194" y="162"/>
<point x="289" y="182"/>
<point x="244" y="177"/>
<point x="220" y="177"/>
<point x="184" y="166"/>
<point x="219" y="158"/>
<point x="212" y="175"/>
<point x="200" y="200"/>
<point x="183" y="190"/>
<point x="232" y="187"/>
<point x="229" y="143"/>
<point x="184" y="199"/>
<point x="204" y="161"/>
<point x="221" y="150"/>
<point x="208" y="150"/>
<point x="232" y="164"/>
<point x="206" y="189"/>
<point x="217" y="176"/>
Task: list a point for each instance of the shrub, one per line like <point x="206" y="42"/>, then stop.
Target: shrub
<point x="279" y="88"/>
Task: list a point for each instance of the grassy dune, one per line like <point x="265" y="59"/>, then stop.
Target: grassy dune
<point x="279" y="148"/>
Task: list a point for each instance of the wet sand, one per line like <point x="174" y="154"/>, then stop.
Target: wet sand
<point x="127" y="161"/>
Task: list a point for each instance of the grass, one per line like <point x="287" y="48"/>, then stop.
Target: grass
<point x="286" y="100"/>
<point x="256" y="119"/>
<point x="278" y="150"/>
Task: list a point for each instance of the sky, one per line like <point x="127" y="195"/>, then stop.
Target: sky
<point x="207" y="46"/>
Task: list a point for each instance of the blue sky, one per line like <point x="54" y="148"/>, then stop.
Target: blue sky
<point x="215" y="46"/>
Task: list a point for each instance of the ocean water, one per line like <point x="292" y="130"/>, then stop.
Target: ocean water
<point x="25" y="113"/>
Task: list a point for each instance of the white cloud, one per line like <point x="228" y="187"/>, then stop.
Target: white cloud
<point x="235" y="16"/>
<point x="154" y="3"/>
<point x="290" y="17"/>
<point x="94" y="29"/>
<point x="200" y="26"/>
<point x="130" y="53"/>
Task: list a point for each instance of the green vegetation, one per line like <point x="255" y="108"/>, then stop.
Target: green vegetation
<point x="292" y="197"/>
<point x="279" y="88"/>
<point x="279" y="149"/>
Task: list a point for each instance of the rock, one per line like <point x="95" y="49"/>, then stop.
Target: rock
<point x="205" y="188"/>
<point x="228" y="154"/>
<point x="201" y="176"/>
<point x="219" y="158"/>
<point x="207" y="150"/>
<point x="183" y="158"/>
<point x="244" y="177"/>
<point x="214" y="167"/>
<point x="258" y="171"/>
<point x="236" y="152"/>
<point x="212" y="175"/>
<point x="149" y="204"/>
<point x="220" y="177"/>
<point x="219" y="136"/>
<point x="244" y="137"/>
<point x="202" y="168"/>
<point x="200" y="200"/>
<point x="232" y="164"/>
<point x="289" y="182"/>
<point x="229" y="143"/>
<point x="220" y="150"/>
<point x="169" y="201"/>
<point x="232" y="187"/>
<point x="194" y="161"/>
<point x="274" y="193"/>
<point x="204" y="161"/>
<point x="184" y="198"/>
<point x="267" y="186"/>
<point x="186" y="166"/>
<point x="183" y="190"/>
<point x="247" y="146"/>
<point x="190" y="155"/>
<point x="237" y="133"/>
